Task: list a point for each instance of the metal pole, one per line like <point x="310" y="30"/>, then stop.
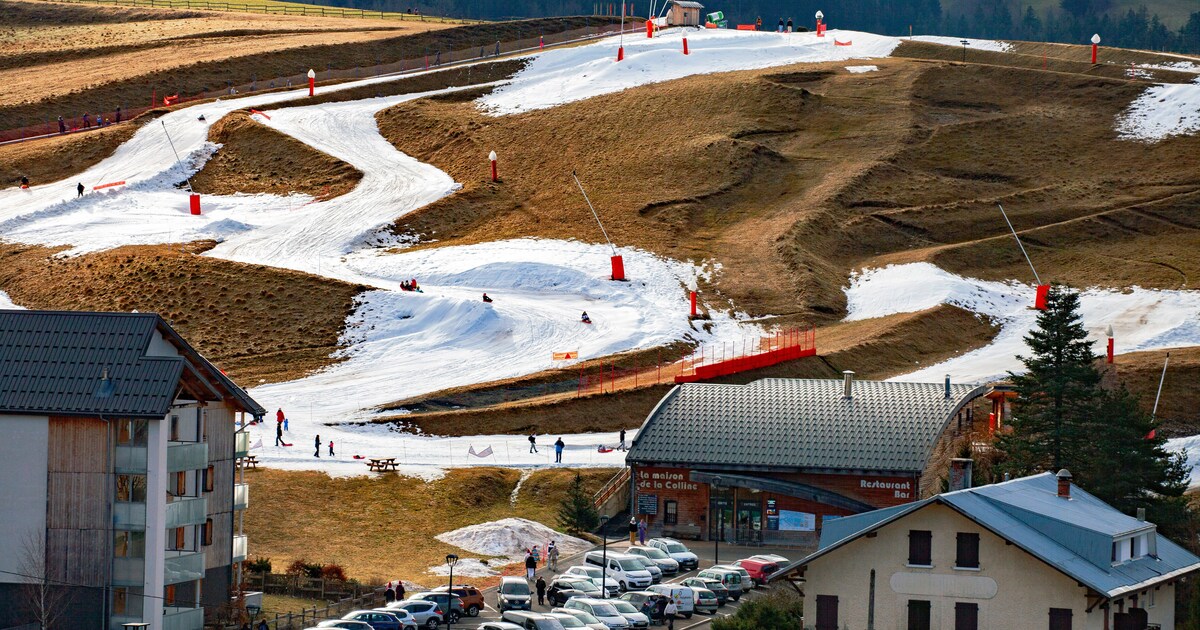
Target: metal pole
<point x="593" y="209"/>
<point x="177" y="160"/>
<point x="1023" y="252"/>
<point x="1161" y="379"/>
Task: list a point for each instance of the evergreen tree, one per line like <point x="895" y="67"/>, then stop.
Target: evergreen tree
<point x="1031" y="25"/>
<point x="1057" y="392"/>
<point x="576" y="514"/>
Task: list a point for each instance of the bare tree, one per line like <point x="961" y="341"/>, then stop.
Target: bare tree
<point x="43" y="600"/>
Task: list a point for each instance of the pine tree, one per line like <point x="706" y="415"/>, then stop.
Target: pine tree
<point x="576" y="514"/>
<point x="1057" y="392"/>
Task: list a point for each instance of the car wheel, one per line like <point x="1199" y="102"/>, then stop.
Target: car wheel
<point x="454" y="617"/>
<point x="687" y="615"/>
<point x="621" y="586"/>
<point x="432" y="624"/>
<point x="472" y="610"/>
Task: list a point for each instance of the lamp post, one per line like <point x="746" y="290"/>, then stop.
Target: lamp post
<point x="1095" y="46"/>
<point x="451" y="560"/>
<point x="603" y="558"/>
<point x="312" y="81"/>
<point x="716" y="484"/>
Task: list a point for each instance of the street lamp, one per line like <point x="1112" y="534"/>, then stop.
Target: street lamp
<point x="451" y="560"/>
<point x="603" y="558"/>
<point x="716" y="484"/>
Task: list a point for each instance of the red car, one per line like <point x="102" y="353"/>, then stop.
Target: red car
<point x="759" y="570"/>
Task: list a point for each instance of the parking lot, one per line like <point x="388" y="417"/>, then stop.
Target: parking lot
<point x="704" y="550"/>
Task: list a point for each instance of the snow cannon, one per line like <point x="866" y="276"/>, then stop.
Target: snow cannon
<point x="717" y="18"/>
<point x="1043" y="291"/>
<point x="194" y="203"/>
<point x="312" y="81"/>
<point x="618" y="268"/>
<point x="1111" y="344"/>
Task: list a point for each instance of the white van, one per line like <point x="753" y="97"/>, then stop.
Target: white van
<point x="685" y="598"/>
<point x="628" y="571"/>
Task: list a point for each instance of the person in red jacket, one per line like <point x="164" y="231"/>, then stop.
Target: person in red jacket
<point x="279" y="415"/>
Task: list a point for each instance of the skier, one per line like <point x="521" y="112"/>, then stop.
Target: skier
<point x="532" y="443"/>
<point x="331" y="448"/>
<point x="622" y="446"/>
<point x="317" y="442"/>
<point x="789" y="25"/>
<point x="541" y="591"/>
<point x="585" y="319"/>
<point x="558" y="449"/>
<point x="487" y="299"/>
<point x="278" y="434"/>
<point x="79" y="188"/>
<point x="87" y="121"/>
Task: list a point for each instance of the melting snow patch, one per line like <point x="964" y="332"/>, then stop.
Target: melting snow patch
<point x="466" y="567"/>
<point x="976" y="44"/>
<point x="861" y="69"/>
<point x="1162" y="111"/>
<point x="510" y="538"/>
<point x="6" y="302"/>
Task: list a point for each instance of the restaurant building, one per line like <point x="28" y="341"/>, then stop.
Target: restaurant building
<point x="770" y="461"/>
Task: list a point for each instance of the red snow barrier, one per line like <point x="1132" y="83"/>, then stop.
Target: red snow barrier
<point x="714" y="361"/>
<point x="255" y="111"/>
<point x="618" y="268"/>
<point x="746" y="27"/>
<point x="109" y="185"/>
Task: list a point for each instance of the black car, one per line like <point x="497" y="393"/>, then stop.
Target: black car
<point x="716" y="587"/>
<point x="561" y="589"/>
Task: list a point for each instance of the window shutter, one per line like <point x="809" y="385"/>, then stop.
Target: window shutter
<point x="968" y="551"/>
<point x="966" y="616"/>
<point x="920" y="547"/>
<point x="827" y="612"/>
<point x="918" y="614"/>
<point x="1060" y="619"/>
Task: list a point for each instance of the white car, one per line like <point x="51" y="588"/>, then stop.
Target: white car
<point x="499" y="625"/>
<point x="636" y="618"/>
<point x="601" y="609"/>
<point x="594" y="574"/>
<point x="685" y="599"/>
<point x="666" y="564"/>
<point x="687" y="560"/>
<point x="425" y="613"/>
<point x="628" y="571"/>
<point x="586" y="618"/>
<point x="706" y="600"/>
<point x="656" y="574"/>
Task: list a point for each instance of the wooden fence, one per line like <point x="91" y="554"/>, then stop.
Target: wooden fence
<point x="341" y="597"/>
<point x="278" y="8"/>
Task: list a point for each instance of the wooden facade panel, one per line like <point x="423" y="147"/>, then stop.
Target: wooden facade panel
<point x="77" y="445"/>
<point x="77" y="500"/>
<point x="220" y="427"/>
<point x="220" y="552"/>
<point x="77" y="556"/>
<point x="221" y="497"/>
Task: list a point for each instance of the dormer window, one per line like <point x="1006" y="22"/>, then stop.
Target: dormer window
<point x="1133" y="547"/>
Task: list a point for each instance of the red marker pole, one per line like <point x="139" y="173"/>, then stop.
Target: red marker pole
<point x="693" y="305"/>
<point x="685" y="48"/>
<point x="1095" y="46"/>
<point x="492" y="158"/>
<point x="1111" y="344"/>
<point x="312" y="81"/>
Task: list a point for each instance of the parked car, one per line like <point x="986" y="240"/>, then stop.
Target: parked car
<point x="451" y="606"/>
<point x="747" y="582"/>
<point x="679" y="552"/>
<point x="563" y="588"/>
<point x="589" y="620"/>
<point x="425" y="613"/>
<point x="759" y="570"/>
<point x="656" y="574"/>
<point x="513" y="594"/>
<point x="770" y="557"/>
<point x="628" y="571"/>
<point x="595" y="574"/>
<point x="630" y="612"/>
<point x="407" y="621"/>
<point x="568" y="621"/>
<point x="685" y="599"/>
<point x="710" y="584"/>
<point x="499" y="625"/>
<point x="472" y="599"/>
<point x="531" y="620"/>
<point x="729" y="578"/>
<point x="348" y="624"/>
<point x="601" y="609"/>
<point x="706" y="600"/>
<point x="665" y="563"/>
<point x="376" y="619"/>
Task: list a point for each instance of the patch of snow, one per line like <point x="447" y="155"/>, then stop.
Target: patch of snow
<point x="573" y="74"/>
<point x="511" y="537"/>
<point x="862" y="69"/>
<point x="516" y="492"/>
<point x="1178" y="66"/>
<point x="466" y="567"/>
<point x="1162" y="111"/>
<point x="975" y="44"/>
<point x="7" y="303"/>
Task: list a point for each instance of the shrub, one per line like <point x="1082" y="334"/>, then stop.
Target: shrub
<point x="305" y="568"/>
<point x="333" y="571"/>
<point x="259" y="565"/>
<point x="779" y="610"/>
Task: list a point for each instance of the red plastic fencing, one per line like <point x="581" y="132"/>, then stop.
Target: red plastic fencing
<point x="413" y="62"/>
<point x="713" y="360"/>
<point x="607" y="378"/>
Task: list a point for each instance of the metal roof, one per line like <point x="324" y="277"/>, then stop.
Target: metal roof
<point x="1074" y="536"/>
<point x="799" y="424"/>
<point x="687" y="4"/>
<point x="54" y="362"/>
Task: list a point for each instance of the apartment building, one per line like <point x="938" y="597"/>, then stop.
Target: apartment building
<point x="119" y="446"/>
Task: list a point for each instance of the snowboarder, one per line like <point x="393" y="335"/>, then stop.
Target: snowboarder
<point x="780" y="25"/>
<point x="622" y="445"/>
<point x="558" y="449"/>
<point x="530" y="566"/>
<point x="532" y="443"/>
<point x="331" y="448"/>
<point x="79" y="189"/>
<point x="585" y="319"/>
<point x="487" y="299"/>
<point x="317" y="443"/>
<point x="552" y="556"/>
<point x="633" y="529"/>
<point x="62" y="125"/>
<point x="24" y="181"/>
<point x="789" y="25"/>
<point x="641" y="529"/>
<point x="278" y="434"/>
<point x="541" y="591"/>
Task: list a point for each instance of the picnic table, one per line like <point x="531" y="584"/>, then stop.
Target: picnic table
<point x="383" y="463"/>
<point x="251" y="461"/>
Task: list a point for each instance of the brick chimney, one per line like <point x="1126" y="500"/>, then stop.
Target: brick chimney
<point x="1064" y="483"/>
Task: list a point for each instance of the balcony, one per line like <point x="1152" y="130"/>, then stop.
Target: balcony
<point x="128" y="571"/>
<point x="183" y="618"/>
<point x="241" y="496"/>
<point x="130" y="459"/>
<point x="187" y="511"/>
<point x="129" y="516"/>
<point x="241" y="444"/>
<point x="183" y="456"/>
<point x="186" y="567"/>
<point x="239" y="548"/>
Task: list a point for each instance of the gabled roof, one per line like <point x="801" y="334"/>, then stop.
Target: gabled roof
<point x="688" y="4"/>
<point x="55" y="362"/>
<point x="1063" y="533"/>
<point x="799" y="424"/>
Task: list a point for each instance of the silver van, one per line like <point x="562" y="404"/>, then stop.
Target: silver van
<point x="730" y="578"/>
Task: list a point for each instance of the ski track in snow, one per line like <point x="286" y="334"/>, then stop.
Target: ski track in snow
<point x="1142" y="319"/>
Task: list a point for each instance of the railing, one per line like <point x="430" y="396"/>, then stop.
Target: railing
<point x="183" y="619"/>
<point x="187" y="511"/>
<point x="185" y="567"/>
<point x="241" y="496"/>
<point x="713" y="360"/>
<point x="130" y="459"/>
<point x="129" y="571"/>
<point x="129" y="516"/>
<point x="240" y="547"/>
<point x="241" y="446"/>
<point x="614" y="485"/>
<point x="183" y="456"/>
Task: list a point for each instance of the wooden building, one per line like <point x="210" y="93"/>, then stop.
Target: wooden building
<point x="118" y="464"/>
<point x="685" y="13"/>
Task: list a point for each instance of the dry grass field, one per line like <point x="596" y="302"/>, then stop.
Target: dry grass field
<point x="60" y="157"/>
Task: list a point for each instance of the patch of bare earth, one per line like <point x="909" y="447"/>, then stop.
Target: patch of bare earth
<point x="60" y="157"/>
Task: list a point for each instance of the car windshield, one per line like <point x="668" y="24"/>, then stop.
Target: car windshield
<point x="629" y="564"/>
<point x="585" y="617"/>
<point x="514" y="588"/>
<point x="657" y="554"/>
<point x="604" y="610"/>
<point x="623" y="606"/>
<point x="585" y="586"/>
<point x="568" y="621"/>
<point x="676" y="548"/>
<point x="590" y="572"/>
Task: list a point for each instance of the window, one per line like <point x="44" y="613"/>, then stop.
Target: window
<point x="1060" y="619"/>
<point x="208" y="479"/>
<point x="129" y="544"/>
<point x="968" y="551"/>
<point x="918" y="614"/>
<point x="131" y="488"/>
<point x="670" y="512"/>
<point x="827" y="612"/>
<point x="966" y="616"/>
<point x="180" y="484"/>
<point x="180" y="538"/>
<point x="208" y="531"/>
<point x="919" y="548"/>
<point x="120" y="603"/>
<point x="174" y="429"/>
<point x="169" y="598"/>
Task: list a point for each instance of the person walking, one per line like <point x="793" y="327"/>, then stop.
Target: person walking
<point x="318" y="444"/>
<point x="79" y="188"/>
<point x="633" y="529"/>
<point x="670" y="611"/>
<point x="530" y="565"/>
<point x="118" y="113"/>
<point x="331" y="448"/>
<point x="789" y="25"/>
<point x="780" y="25"/>
<point x="758" y="24"/>
<point x="660" y="609"/>
<point x="389" y="595"/>
<point x="558" y="449"/>
<point x="622" y="445"/>
<point x="399" y="590"/>
<point x="279" y="417"/>
<point x="642" y="531"/>
<point x="278" y="434"/>
<point x="536" y="552"/>
<point x="87" y="121"/>
<point x="541" y="591"/>
<point x="552" y="556"/>
<point x="262" y="624"/>
<point x="62" y="125"/>
<point x="532" y="443"/>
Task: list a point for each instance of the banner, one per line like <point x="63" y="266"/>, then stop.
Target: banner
<point x="487" y="452"/>
<point x="566" y="356"/>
